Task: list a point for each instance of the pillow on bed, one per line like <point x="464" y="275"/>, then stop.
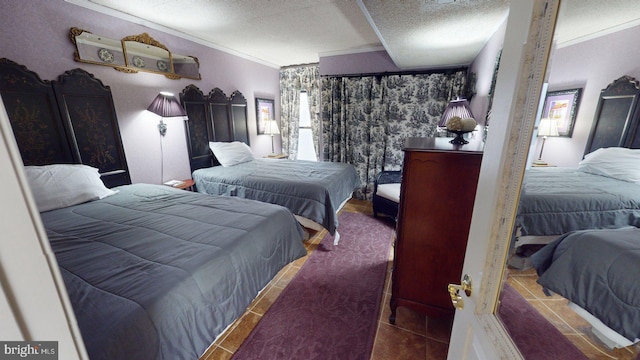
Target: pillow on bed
<point x="61" y="185"/>
<point x="615" y="162"/>
<point x="231" y="153"/>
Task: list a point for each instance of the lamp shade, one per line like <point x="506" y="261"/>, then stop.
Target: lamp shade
<point x="547" y="127"/>
<point x="166" y="105"/>
<point x="458" y="107"/>
<point x="272" y="128"/>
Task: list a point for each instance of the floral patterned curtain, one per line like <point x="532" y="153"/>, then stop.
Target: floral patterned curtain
<point x="292" y="81"/>
<point x="366" y="119"/>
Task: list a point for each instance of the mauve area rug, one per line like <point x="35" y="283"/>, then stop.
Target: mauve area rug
<point x="535" y="336"/>
<point x="330" y="308"/>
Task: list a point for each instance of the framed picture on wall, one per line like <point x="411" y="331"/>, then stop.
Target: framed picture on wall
<point x="265" y="111"/>
<point x="562" y="107"/>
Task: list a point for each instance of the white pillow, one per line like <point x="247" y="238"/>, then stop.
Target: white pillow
<point x="618" y="163"/>
<point x="61" y="185"/>
<point x="389" y="191"/>
<point x="231" y="153"/>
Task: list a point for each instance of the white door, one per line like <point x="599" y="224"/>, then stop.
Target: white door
<point x="477" y="333"/>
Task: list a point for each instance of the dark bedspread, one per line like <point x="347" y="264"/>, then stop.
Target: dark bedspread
<point x="597" y="270"/>
<point x="157" y="273"/>
<point x="313" y="190"/>
<point x="555" y="201"/>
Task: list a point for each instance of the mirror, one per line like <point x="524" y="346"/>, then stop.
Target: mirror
<point x="143" y="53"/>
<point x="96" y="49"/>
<point x="186" y="66"/>
<point x="586" y="74"/>
<point x="133" y="54"/>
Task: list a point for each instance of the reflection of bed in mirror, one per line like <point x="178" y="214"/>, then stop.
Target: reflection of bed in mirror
<point x="151" y="272"/>
<point x="557" y="200"/>
<point x="596" y="270"/>
<point x="599" y="196"/>
<point x="554" y="201"/>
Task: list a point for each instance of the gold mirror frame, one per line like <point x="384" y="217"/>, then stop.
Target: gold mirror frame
<point x="133" y="54"/>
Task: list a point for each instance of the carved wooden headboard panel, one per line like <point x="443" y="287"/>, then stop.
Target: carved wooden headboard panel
<point x="71" y="120"/>
<point x="617" y="116"/>
<point x="198" y="128"/>
<point x="35" y="120"/>
<point x="213" y="117"/>
<point x="238" y="117"/>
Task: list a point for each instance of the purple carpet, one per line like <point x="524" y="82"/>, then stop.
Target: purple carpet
<point x="330" y="308"/>
<point x="535" y="336"/>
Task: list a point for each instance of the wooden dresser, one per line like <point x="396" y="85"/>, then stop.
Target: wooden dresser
<point x="436" y="201"/>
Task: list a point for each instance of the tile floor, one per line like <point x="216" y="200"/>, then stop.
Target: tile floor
<point x="555" y="309"/>
<point x="412" y="337"/>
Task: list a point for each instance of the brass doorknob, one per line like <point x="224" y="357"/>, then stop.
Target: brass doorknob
<point x="454" y="289"/>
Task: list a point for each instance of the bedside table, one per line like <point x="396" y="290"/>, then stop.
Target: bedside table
<point x="276" y="156"/>
<point x="187" y="184"/>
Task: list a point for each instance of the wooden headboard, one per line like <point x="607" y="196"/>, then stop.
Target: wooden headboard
<point x="617" y="116"/>
<point x="71" y="120"/>
<point x="213" y="117"/>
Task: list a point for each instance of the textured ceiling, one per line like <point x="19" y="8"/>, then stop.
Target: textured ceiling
<point x="584" y="19"/>
<point x="417" y="34"/>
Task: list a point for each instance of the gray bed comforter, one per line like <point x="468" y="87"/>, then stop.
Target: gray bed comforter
<point x="597" y="270"/>
<point x="157" y="273"/>
<point x="555" y="201"/>
<point x="313" y="190"/>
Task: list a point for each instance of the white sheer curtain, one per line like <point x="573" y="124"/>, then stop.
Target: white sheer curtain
<point x="306" y="150"/>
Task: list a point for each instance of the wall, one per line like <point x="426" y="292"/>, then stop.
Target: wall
<point x="590" y="65"/>
<point x="361" y="63"/>
<point x="35" y="34"/>
<point x="483" y="66"/>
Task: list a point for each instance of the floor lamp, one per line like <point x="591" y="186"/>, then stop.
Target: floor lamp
<point x="165" y="105"/>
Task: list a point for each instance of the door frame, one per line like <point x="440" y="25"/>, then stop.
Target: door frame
<point x="477" y="332"/>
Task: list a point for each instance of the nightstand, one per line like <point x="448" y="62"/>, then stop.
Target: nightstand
<point x="186" y="184"/>
<point x="277" y="156"/>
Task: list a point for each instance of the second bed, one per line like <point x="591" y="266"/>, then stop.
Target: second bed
<point x="313" y="191"/>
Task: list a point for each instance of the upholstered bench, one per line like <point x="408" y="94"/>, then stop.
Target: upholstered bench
<point x="386" y="193"/>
